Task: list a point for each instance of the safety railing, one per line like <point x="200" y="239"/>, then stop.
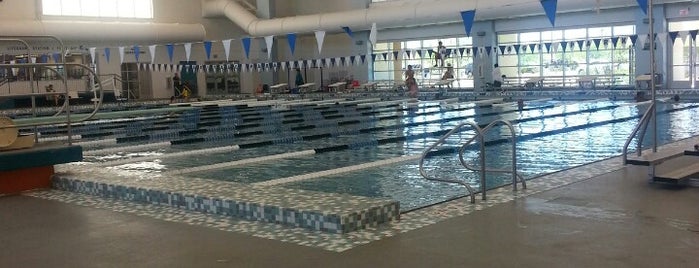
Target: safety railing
<point x="483" y="169"/>
<point x="641" y="127"/>
<point x="35" y="92"/>
<point x="480" y="137"/>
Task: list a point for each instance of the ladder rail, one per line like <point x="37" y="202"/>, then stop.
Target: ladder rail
<point x="441" y="141"/>
<point x="513" y="170"/>
<point x="639" y="129"/>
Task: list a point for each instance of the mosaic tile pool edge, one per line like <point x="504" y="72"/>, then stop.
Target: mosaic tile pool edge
<point x="312" y="220"/>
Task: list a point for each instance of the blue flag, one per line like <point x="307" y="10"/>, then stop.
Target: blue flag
<point x="348" y="31"/>
<point x="550" y="9"/>
<point x="170" y="51"/>
<point x="107" y="52"/>
<point x="246" y="46"/>
<point x="207" y="48"/>
<point x="291" y="38"/>
<point x="644" y="5"/>
<point x="468" y="16"/>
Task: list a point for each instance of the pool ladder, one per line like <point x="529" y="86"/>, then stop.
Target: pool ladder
<point x="480" y="137"/>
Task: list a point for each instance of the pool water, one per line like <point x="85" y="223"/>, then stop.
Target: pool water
<point x="554" y="137"/>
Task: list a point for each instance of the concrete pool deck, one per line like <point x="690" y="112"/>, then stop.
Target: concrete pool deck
<point x="602" y="214"/>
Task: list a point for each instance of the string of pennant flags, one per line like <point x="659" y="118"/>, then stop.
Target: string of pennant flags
<point x="468" y="17"/>
<point x="479" y="51"/>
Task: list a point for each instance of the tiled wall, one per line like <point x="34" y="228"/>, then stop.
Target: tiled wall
<point x="315" y="220"/>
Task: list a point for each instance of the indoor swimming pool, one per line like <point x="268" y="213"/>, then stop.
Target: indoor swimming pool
<point x="367" y="149"/>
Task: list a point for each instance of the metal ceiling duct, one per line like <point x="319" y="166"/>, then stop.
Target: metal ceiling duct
<point x="395" y="14"/>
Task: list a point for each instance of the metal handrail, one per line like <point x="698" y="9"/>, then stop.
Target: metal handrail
<point x="483" y="170"/>
<point x="66" y="103"/>
<point x="642" y="126"/>
<point x="439" y="142"/>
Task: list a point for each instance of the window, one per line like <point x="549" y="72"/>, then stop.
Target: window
<point x="568" y="54"/>
<point x="684" y="53"/>
<point x="139" y="9"/>
<point x="420" y="55"/>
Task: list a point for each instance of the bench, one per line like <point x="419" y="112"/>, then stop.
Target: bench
<point x="677" y="174"/>
<point x="445" y="82"/>
<point x="534" y="82"/>
<point x="652" y="160"/>
<point x="336" y="86"/>
<point x="306" y="87"/>
<point x="587" y="82"/>
<point x="278" y="88"/>
<point x="369" y="85"/>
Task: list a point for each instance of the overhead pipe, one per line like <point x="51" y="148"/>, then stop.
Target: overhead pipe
<point x="395" y="14"/>
<point x="114" y="32"/>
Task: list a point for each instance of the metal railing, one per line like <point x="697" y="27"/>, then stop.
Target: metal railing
<point x="480" y="137"/>
<point x="641" y="127"/>
<point x="34" y="91"/>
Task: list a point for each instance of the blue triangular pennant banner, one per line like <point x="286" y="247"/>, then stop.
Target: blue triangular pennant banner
<point x="468" y="16"/>
<point x="348" y="31"/>
<point x="395" y="55"/>
<point x="517" y="48"/>
<point x="550" y="9"/>
<point x="246" y="46"/>
<point x="170" y="51"/>
<point x="581" y="44"/>
<point x="502" y="49"/>
<point x="107" y="52"/>
<point x="419" y="53"/>
<point x="363" y="57"/>
<point x="291" y="39"/>
<point x="136" y="52"/>
<point x="207" y="48"/>
<point x="461" y="51"/>
<point x="373" y="57"/>
<point x="353" y="59"/>
<point x="548" y="47"/>
<point x="596" y="41"/>
<point x="532" y="48"/>
<point x="564" y="46"/>
<point x="644" y="5"/>
<point x="673" y="36"/>
<point x="615" y="41"/>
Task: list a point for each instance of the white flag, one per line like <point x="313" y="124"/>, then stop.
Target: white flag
<point x="320" y="37"/>
<point x="227" y="47"/>
<point x="372" y="34"/>
<point x="188" y="50"/>
<point x="121" y="55"/>
<point x="152" y="53"/>
<point x="269" y="40"/>
<point x="92" y="53"/>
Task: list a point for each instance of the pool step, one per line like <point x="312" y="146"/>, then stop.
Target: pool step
<point x="318" y="211"/>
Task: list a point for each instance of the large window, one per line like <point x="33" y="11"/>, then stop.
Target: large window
<point x="420" y="55"/>
<point x="139" y="9"/>
<point x="684" y="54"/>
<point x="568" y="54"/>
